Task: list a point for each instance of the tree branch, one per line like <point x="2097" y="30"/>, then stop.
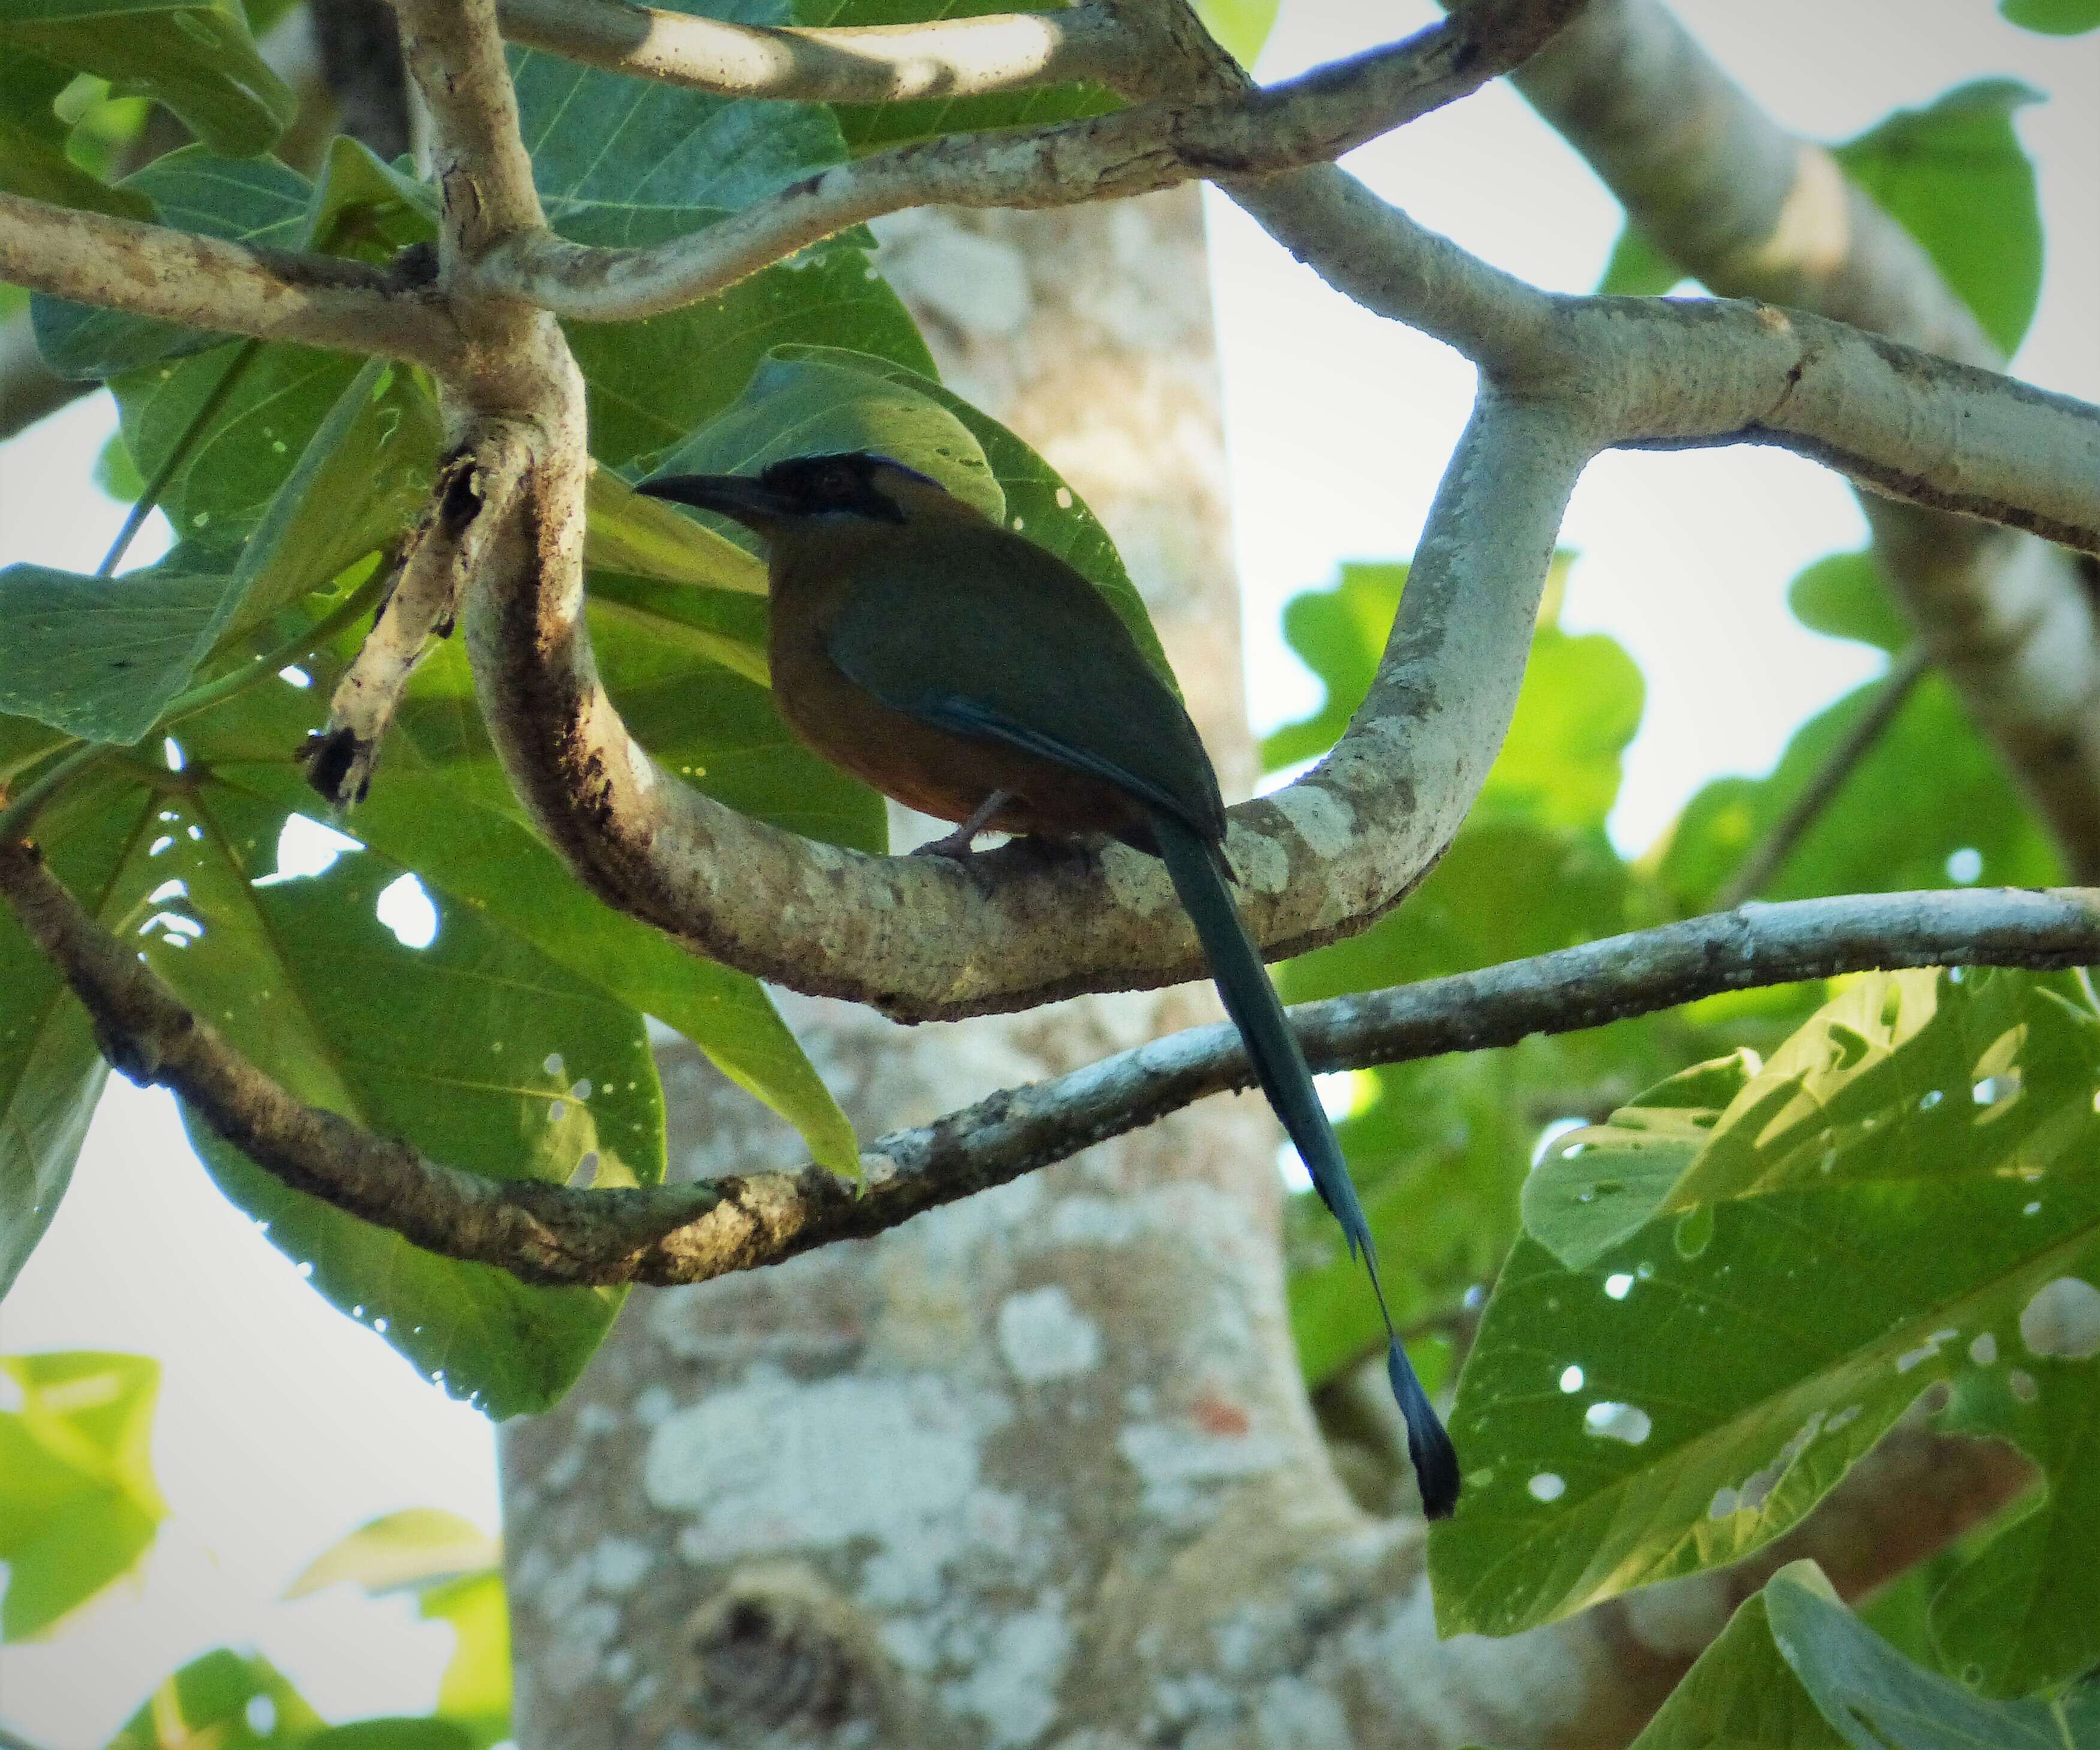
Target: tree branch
<point x="689" y="1233"/>
<point x="205" y="282"/>
<point x="1312" y="118"/>
<point x="887" y="63"/>
<point x="1754" y="211"/>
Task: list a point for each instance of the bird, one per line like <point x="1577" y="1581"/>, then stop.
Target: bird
<point x="958" y="666"/>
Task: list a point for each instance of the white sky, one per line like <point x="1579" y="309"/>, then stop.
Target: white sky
<point x="283" y="1426"/>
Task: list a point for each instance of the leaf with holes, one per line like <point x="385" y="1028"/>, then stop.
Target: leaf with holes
<point x="80" y="1506"/>
<point x="442" y="806"/>
<point x="227" y="1700"/>
<point x="482" y="1053"/>
<point x="1873" y="1211"/>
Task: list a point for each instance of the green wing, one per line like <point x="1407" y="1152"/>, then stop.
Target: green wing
<point x="1006" y="642"/>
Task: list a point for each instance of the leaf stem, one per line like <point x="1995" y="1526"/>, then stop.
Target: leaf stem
<point x="136" y="518"/>
<point x="1765" y="858"/>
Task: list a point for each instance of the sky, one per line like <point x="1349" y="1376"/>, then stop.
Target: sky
<point x="283" y="1426"/>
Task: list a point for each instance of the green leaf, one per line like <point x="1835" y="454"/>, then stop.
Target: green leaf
<point x="102" y="658"/>
<point x="51" y="1072"/>
<point x="409" y="1550"/>
<point x="1241" y="26"/>
<point x="1601" y="1184"/>
<point x="2054" y="18"/>
<point x="1843" y="595"/>
<point x="804" y="407"/>
<point x="2022" y="1613"/>
<point x="1873" y="1211"/>
<point x="1638" y="268"/>
<point x="477" y="1050"/>
<point x="421" y="1733"/>
<point x="196" y="57"/>
<point x="1953" y="175"/>
<point x="1929" y="805"/>
<point x="475" y="1691"/>
<point x="257" y="201"/>
<point x="225" y="479"/>
<point x="1037" y="502"/>
<point x="1876" y="1700"/>
<point x="228" y="1700"/>
<point x="80" y="1506"/>
<point x="1741" y="1695"/>
<point x="363" y="206"/>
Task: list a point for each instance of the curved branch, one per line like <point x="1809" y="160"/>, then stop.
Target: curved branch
<point x="886" y="64"/>
<point x="1314" y="118"/>
<point x="207" y="282"/>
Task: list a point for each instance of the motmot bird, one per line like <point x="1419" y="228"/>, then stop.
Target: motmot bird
<point x="975" y="677"/>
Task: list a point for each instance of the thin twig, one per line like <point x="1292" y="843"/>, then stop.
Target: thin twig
<point x="1765" y="856"/>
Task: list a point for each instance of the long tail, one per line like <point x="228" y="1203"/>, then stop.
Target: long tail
<point x="1199" y="877"/>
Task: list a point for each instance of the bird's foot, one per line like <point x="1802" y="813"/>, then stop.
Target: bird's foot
<point x="959" y="846"/>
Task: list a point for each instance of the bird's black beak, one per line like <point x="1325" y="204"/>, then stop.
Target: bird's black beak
<point x="737" y="497"/>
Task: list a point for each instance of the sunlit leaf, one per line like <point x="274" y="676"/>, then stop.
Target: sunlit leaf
<point x="79" y="1506"/>
<point x="1844" y="595"/>
<point x="227" y="1700"/>
<point x="1638" y="269"/>
<point x="1876" y="1210"/>
<point x="410" y="1549"/>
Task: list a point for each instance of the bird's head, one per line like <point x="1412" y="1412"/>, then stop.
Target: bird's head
<point x="810" y="493"/>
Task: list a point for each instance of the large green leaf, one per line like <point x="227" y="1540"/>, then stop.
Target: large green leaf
<point x="102" y="658"/>
<point x="1953" y="175"/>
<point x="50" y="1071"/>
<point x="477" y="1050"/>
<point x="194" y="56"/>
<point x="2022" y="1614"/>
<point x="1559" y="765"/>
<point x="79" y="1506"/>
<point x="1876" y="1210"/>
<point x="1876" y="1700"/>
<point x="256" y="201"/>
<point x="1843" y="595"/>
<point x="226" y="1699"/>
